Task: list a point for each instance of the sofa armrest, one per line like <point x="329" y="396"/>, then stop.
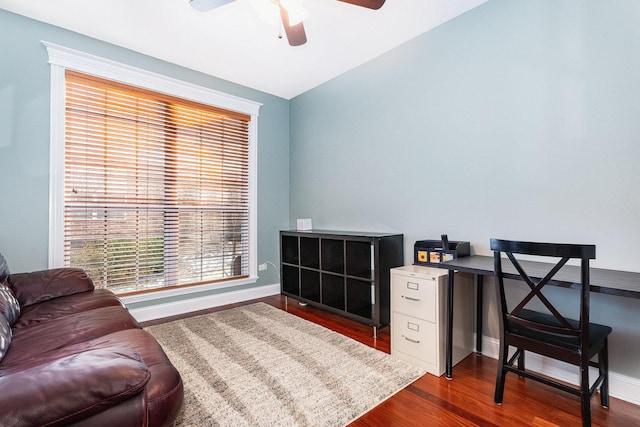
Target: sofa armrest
<point x="72" y="388"/>
<point x="38" y="286"/>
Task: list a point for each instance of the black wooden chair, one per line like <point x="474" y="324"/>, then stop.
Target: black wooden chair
<point x="548" y="332"/>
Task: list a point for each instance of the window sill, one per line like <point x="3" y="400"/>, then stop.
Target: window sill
<point x="187" y="290"/>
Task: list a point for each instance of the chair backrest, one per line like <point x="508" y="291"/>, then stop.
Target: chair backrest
<point x="559" y="324"/>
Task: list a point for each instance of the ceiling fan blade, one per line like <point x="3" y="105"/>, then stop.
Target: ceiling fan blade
<point x="370" y="4"/>
<point x="206" y="5"/>
<point x="295" y="33"/>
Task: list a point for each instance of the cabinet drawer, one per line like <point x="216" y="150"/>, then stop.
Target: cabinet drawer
<point x="414" y="296"/>
<point x="415" y="337"/>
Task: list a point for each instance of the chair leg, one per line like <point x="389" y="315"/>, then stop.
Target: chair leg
<point x="521" y="362"/>
<point x="499" y="392"/>
<point x="586" y="412"/>
<point x="603" y="367"/>
<point x="585" y="396"/>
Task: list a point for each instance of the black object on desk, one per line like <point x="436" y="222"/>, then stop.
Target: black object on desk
<point x="610" y="282"/>
<point x="431" y="252"/>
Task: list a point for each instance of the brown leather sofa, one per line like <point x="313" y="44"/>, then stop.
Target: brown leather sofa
<point x="76" y="356"/>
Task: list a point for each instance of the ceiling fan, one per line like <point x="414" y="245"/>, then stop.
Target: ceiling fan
<point x="292" y="14"/>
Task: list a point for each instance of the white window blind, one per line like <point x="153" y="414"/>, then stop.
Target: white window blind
<point x="156" y="189"/>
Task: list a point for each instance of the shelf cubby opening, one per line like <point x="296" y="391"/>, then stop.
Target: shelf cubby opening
<point x="310" y="252"/>
<point x="359" y="259"/>
<point x="310" y="285"/>
<point x="332" y="255"/>
<point x="289" y="247"/>
<point x="291" y="279"/>
<point x="333" y="291"/>
<point x="359" y="298"/>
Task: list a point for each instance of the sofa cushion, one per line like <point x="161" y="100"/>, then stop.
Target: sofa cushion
<point x="164" y="391"/>
<point x="5" y="336"/>
<point x="128" y="413"/>
<point x="38" y="286"/>
<point x="67" y="389"/>
<point x="66" y="305"/>
<point x="33" y="341"/>
<point x="9" y="306"/>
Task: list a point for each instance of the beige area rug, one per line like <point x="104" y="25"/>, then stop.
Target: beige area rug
<point x="260" y="366"/>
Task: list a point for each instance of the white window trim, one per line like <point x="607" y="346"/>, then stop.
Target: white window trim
<point x="62" y="58"/>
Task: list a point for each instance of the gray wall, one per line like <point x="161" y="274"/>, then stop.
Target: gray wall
<point x="518" y="119"/>
<point x="24" y="141"/>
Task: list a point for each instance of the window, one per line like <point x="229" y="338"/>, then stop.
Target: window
<point x="157" y="189"/>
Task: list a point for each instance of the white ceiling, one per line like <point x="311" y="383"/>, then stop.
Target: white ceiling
<point x="233" y="43"/>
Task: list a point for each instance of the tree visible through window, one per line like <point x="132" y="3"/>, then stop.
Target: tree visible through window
<point x="156" y="189"/>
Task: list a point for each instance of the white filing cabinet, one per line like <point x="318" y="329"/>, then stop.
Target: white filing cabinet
<point x="418" y="317"/>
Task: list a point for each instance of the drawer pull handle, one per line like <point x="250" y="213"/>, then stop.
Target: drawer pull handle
<point x="411" y="298"/>
<point x="413" y="286"/>
<point x="413" y="341"/>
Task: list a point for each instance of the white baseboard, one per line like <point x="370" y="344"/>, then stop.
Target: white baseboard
<point x="159" y="311"/>
<point x="621" y="386"/>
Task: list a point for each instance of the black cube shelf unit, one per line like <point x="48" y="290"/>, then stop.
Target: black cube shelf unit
<point x="341" y="271"/>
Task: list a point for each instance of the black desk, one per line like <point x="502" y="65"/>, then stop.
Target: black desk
<point x="611" y="282"/>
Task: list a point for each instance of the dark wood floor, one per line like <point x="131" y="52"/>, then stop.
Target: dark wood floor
<point x="467" y="400"/>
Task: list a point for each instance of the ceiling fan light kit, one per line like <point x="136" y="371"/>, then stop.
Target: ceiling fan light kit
<point x="295" y="33"/>
<point x="292" y="14"/>
<point x="296" y="11"/>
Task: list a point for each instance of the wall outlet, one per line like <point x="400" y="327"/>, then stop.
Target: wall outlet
<point x="262" y="267"/>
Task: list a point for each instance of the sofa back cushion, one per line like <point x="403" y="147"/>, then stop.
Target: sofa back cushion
<point x="5" y="336"/>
